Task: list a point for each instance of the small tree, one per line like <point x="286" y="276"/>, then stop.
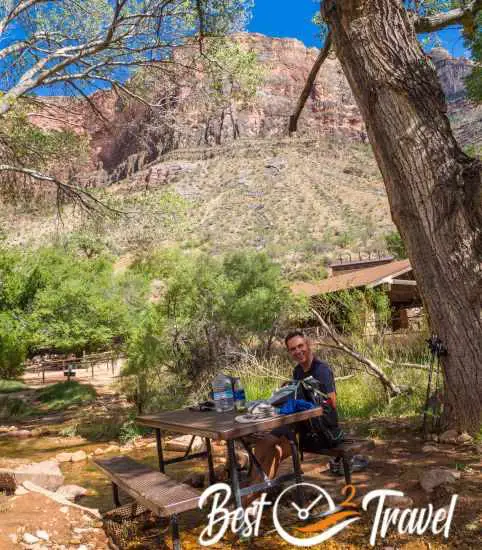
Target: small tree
<point x="13" y="346"/>
<point x="208" y="307"/>
<point x="395" y="245"/>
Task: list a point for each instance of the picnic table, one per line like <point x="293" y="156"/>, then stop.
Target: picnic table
<point x="167" y="497"/>
<point x="213" y="426"/>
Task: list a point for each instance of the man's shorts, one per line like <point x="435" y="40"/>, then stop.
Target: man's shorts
<point x="285" y="431"/>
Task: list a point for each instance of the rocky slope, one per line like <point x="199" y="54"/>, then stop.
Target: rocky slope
<point x="304" y="200"/>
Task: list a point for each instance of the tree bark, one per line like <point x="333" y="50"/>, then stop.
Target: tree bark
<point x="434" y="189"/>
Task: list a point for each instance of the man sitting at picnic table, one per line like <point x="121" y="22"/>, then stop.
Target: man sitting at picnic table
<point x="275" y="446"/>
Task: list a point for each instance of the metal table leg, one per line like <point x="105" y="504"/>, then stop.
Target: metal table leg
<point x="233" y="471"/>
<point x="298" y="473"/>
<point x="160" y="455"/>
<point x="176" y="542"/>
<point x="115" y="495"/>
<point x="212" y="476"/>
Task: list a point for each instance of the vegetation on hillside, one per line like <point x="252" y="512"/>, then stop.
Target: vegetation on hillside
<point x="56" y="300"/>
<point x="474" y="81"/>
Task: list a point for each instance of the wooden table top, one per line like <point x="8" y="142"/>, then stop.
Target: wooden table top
<point x="215" y="425"/>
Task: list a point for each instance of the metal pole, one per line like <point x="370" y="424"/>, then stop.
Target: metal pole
<point x="212" y="477"/>
<point x="298" y="473"/>
<point x="160" y="455"/>
<point x="427" y="397"/>
<point x="233" y="471"/>
<point x="176" y="543"/>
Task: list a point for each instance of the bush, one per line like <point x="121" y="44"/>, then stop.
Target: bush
<point x="13" y="347"/>
<point x="395" y="245"/>
<point x="58" y="300"/>
<point x="208" y="307"/>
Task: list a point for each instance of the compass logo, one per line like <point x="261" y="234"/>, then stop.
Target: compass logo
<point x="327" y="524"/>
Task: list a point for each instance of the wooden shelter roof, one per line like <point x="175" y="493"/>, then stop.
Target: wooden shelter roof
<point x="368" y="277"/>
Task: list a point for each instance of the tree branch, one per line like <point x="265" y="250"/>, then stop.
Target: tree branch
<point x="16" y="11"/>
<point x="391" y="388"/>
<point x="78" y="195"/>
<point x="463" y="15"/>
<point x="309" y="84"/>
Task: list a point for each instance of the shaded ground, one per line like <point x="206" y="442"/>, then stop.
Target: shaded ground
<point x="396" y="461"/>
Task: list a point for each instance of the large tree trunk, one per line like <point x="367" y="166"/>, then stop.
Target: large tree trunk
<point x="434" y="189"/>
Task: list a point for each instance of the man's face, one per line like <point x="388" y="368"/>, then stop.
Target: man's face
<point x="299" y="348"/>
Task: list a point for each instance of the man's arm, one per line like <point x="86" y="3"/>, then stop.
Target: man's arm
<point x="332" y="397"/>
<point x="327" y="381"/>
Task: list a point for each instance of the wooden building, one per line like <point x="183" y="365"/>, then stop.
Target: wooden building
<point x="395" y="277"/>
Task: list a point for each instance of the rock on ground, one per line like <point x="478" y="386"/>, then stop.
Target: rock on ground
<point x="429" y="449"/>
<point x="450" y="436"/>
<point x="63" y="457"/>
<point x="46" y="474"/>
<point x="42" y="535"/>
<point x="20" y="434"/>
<point x="181" y="444"/>
<point x="195" y="480"/>
<point x="438" y="476"/>
<point x="71" y="492"/>
<point x="465" y="438"/>
<point x="29" y="538"/>
<point x="79" y="456"/>
<point x="398" y="501"/>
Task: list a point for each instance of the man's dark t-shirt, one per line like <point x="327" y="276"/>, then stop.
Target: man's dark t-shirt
<point x="320" y="371"/>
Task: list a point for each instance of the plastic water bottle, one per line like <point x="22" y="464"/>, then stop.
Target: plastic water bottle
<point x="239" y="395"/>
<point x="223" y="393"/>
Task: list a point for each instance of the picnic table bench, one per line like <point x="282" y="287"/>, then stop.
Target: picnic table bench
<point x="345" y="450"/>
<point x="154" y="490"/>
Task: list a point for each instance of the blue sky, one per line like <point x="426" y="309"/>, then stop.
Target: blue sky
<point x="279" y="18"/>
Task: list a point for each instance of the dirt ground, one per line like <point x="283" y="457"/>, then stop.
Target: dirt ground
<point x="67" y="527"/>
<point x="101" y="376"/>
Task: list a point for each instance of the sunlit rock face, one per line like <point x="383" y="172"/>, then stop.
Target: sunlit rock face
<point x="451" y="72"/>
<point x="465" y="116"/>
<point x="131" y="134"/>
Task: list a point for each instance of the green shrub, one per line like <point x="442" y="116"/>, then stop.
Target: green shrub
<point x="395" y="245"/>
<point x="13" y="346"/>
<point x="56" y="299"/>
<point x="206" y="305"/>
